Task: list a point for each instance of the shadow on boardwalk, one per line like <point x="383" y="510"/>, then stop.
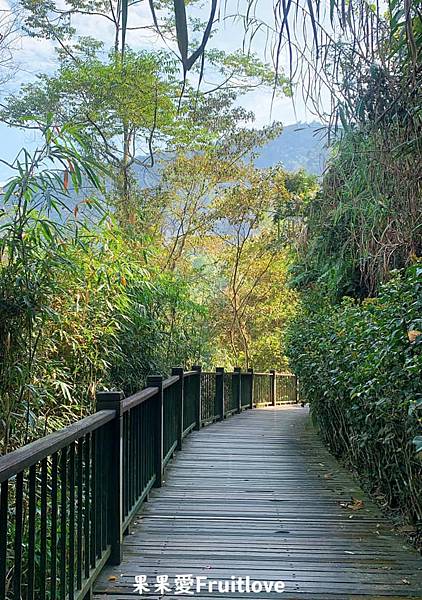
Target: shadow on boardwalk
<point x="259" y="495"/>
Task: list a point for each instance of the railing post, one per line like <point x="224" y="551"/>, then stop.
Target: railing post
<point x="296" y="390"/>
<point x="179" y="372"/>
<point x="158" y="425"/>
<point x="273" y="396"/>
<point x="219" y="389"/>
<point x="237" y="376"/>
<point x="114" y="481"/>
<point x="251" y="388"/>
<point x="198" y="368"/>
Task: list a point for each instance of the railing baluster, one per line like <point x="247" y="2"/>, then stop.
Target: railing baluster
<point x="237" y="389"/>
<point x="79" y="512"/>
<point x="179" y="404"/>
<point x="131" y="436"/>
<point x="98" y="493"/>
<point x="93" y="497"/>
<point x="148" y="433"/>
<point x="17" y="568"/>
<point x="251" y="389"/>
<point x="43" y="529"/>
<point x="53" y="548"/>
<point x="143" y="456"/>
<point x="4" y="509"/>
<point x="125" y="488"/>
<point x="219" y="390"/>
<point x="71" y="521"/>
<point x="87" y="504"/>
<point x="63" y="522"/>
<point x="198" y="369"/>
<point x="136" y="458"/>
<point x="32" y="500"/>
<point x="158" y="428"/>
<point x="272" y="388"/>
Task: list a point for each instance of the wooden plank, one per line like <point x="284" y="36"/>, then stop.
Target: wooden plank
<point x="259" y="495"/>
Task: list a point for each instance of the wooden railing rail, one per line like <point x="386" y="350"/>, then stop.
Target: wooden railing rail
<point x="272" y="388"/>
<point x="67" y="500"/>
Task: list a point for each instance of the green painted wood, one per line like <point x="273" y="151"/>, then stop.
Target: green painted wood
<point x="237" y="388"/>
<point x="113" y="485"/>
<point x="197" y="394"/>
<point x="4" y="508"/>
<point x="219" y="391"/>
<point x="178" y="371"/>
<point x="17" y="570"/>
<point x="158" y="428"/>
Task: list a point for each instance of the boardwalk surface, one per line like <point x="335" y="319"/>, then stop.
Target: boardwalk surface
<point x="258" y="495"/>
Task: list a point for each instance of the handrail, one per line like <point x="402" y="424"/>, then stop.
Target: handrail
<point x="170" y="381"/>
<point x="282" y="373"/>
<point x="27" y="456"/>
<point x="138" y="398"/>
<point x="67" y="499"/>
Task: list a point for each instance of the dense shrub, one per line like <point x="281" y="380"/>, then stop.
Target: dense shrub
<point x="360" y="367"/>
<point x="106" y="318"/>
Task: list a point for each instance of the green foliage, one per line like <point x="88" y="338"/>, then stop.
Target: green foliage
<point x="360" y="367"/>
<point x="245" y="71"/>
<point x="365" y="220"/>
<point x="105" y="97"/>
<point x="80" y="306"/>
<point x="254" y="301"/>
<point x="300" y="191"/>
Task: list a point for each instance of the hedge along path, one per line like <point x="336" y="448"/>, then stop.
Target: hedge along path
<point x="259" y="495"/>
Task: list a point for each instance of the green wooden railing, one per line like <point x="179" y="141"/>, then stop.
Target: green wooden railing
<point x="67" y="500"/>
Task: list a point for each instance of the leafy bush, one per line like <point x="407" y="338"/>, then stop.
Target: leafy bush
<point x="108" y="318"/>
<point x="360" y="367"/>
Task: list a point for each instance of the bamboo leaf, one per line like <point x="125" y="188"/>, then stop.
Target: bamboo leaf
<point x="181" y="30"/>
<point x="125" y="6"/>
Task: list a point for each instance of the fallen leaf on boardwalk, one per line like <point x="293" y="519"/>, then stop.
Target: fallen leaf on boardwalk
<point x="112" y="578"/>
<point x="406" y="581"/>
<point x="406" y="529"/>
<point x="355" y="504"/>
<point x="328" y="476"/>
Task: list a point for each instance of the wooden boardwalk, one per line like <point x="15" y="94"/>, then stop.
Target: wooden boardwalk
<point x="259" y="495"/>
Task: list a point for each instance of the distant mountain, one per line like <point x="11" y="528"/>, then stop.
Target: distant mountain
<point x="300" y="146"/>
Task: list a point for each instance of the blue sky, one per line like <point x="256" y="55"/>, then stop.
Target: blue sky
<point x="37" y="55"/>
